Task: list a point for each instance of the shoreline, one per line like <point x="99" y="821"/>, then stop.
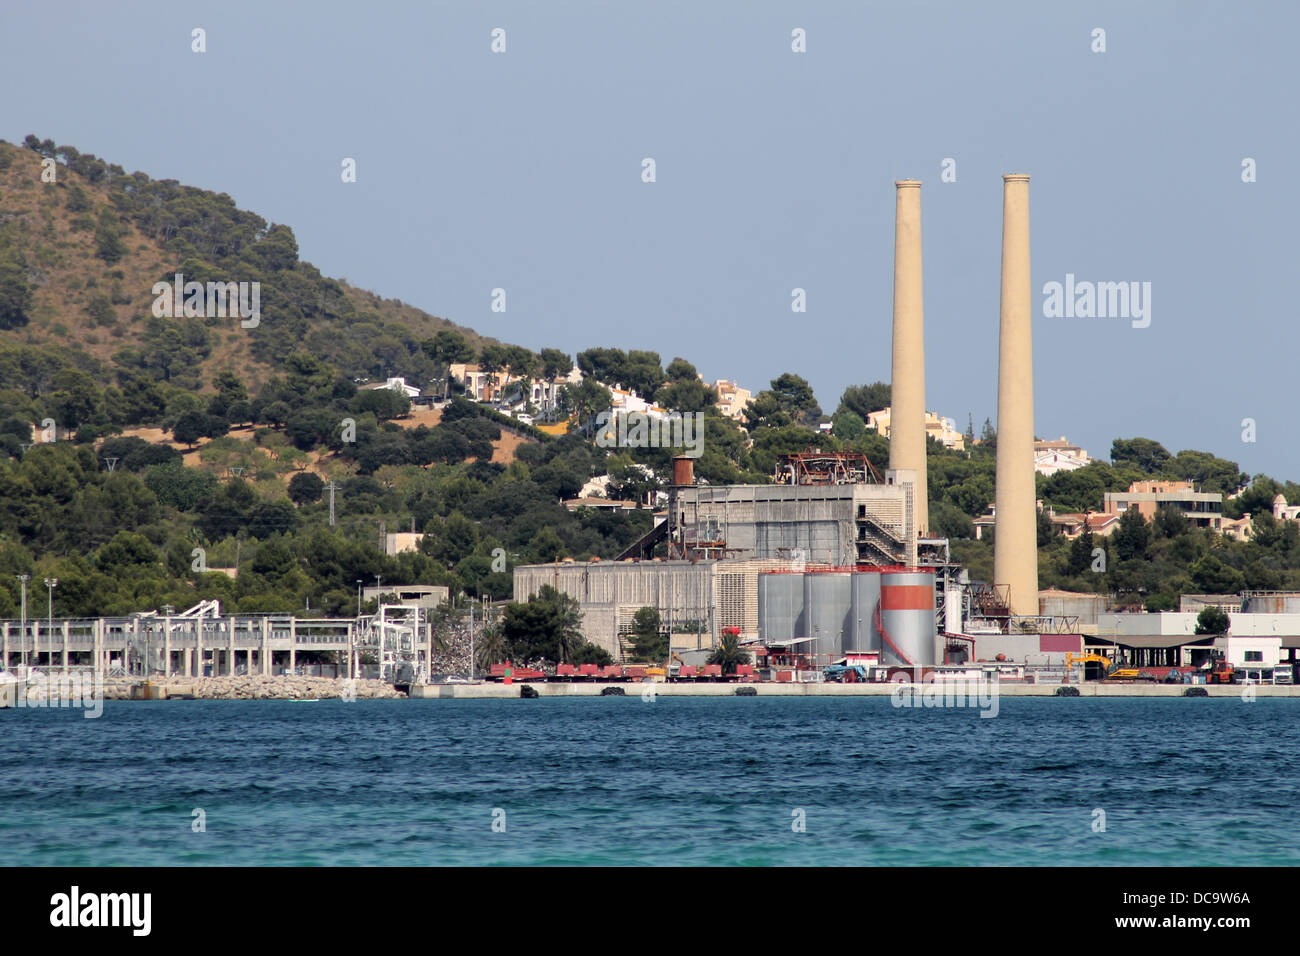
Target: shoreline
<point x="494" y="691"/>
<point x="256" y="687"/>
<point x="328" y="688"/>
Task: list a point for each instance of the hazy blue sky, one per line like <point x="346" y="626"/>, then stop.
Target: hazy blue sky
<point x="775" y="170"/>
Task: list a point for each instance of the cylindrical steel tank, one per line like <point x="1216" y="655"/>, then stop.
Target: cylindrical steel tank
<point x="780" y="607"/>
<point x="1275" y="603"/>
<point x="827" y="605"/>
<point x="1068" y="604"/>
<point x="952" y="611"/>
<point x="865" y="595"/>
<point x="907" y="618"/>
<point x="683" y="470"/>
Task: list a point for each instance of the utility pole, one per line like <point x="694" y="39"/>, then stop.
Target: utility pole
<point x="471" y="640"/>
<point x="331" y="488"/>
<point x="51" y="583"/>
<point x="23" y="579"/>
<point x="383" y="536"/>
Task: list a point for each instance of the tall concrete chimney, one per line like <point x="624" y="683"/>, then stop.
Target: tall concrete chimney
<point x="1015" y="540"/>
<point x="907" y="378"/>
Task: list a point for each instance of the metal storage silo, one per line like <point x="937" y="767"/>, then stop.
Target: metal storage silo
<point x="1276" y="602"/>
<point x="865" y="595"/>
<point x="780" y="607"/>
<point x="827" y="605"/>
<point x="907" y="618"/>
<point x="1067" y="605"/>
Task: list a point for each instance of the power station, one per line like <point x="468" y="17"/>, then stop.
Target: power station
<point x="831" y="559"/>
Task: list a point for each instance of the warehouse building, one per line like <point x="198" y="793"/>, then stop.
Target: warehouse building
<point x="695" y="599"/>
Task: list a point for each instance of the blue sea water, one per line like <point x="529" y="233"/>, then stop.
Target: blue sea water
<point x="1184" y="782"/>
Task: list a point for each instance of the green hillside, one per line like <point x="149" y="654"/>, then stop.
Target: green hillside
<point x="79" y="258"/>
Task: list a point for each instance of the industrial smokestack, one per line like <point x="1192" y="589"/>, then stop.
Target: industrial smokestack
<point x="907" y="378"/>
<point x="1015" y="542"/>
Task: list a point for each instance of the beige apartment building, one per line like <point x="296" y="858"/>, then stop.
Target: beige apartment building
<point x="732" y="399"/>
<point x="1202" y="509"/>
<point x="942" y="430"/>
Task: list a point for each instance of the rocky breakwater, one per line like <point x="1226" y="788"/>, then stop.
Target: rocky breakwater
<point x="253" y="688"/>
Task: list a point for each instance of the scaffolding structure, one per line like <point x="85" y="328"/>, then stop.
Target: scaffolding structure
<point x="815" y="467"/>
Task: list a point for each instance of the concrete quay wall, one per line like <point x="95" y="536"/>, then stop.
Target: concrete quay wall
<point x="488" y="691"/>
<point x="322" y="687"/>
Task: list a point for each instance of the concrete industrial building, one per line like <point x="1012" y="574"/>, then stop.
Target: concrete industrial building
<point x="415" y="595"/>
<point x="204" y="642"/>
<point x="839" y="525"/>
<point x="1195" y="603"/>
<point x="821" y="509"/>
<point x="1169" y="638"/>
<point x="695" y="598"/>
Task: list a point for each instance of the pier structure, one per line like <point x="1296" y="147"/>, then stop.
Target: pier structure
<point x="211" y="644"/>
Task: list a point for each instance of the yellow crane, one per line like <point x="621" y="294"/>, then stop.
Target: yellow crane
<point x="1112" y="670"/>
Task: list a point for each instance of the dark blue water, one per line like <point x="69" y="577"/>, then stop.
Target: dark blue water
<point x="676" y="781"/>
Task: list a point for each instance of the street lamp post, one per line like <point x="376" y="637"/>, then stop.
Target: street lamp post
<point x="51" y="584"/>
<point x="22" y="580"/>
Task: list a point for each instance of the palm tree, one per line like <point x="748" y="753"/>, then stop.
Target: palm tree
<point x="729" y="653"/>
<point x="489" y="648"/>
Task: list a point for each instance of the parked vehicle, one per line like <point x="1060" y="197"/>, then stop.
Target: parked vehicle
<point x="1220" y="671"/>
<point x="845" y="674"/>
<point x="1111" y="670"/>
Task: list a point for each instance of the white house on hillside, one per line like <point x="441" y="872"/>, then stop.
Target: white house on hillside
<point x="1059" y="455"/>
<point x="397" y="385"/>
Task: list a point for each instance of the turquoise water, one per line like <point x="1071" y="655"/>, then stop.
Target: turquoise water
<point x="676" y="781"/>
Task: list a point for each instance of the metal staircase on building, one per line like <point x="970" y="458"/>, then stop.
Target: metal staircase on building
<point x="644" y="546"/>
<point x="878" y="544"/>
<point x="624" y="646"/>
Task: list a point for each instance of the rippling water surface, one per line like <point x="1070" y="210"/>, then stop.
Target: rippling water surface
<point x="676" y="781"/>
